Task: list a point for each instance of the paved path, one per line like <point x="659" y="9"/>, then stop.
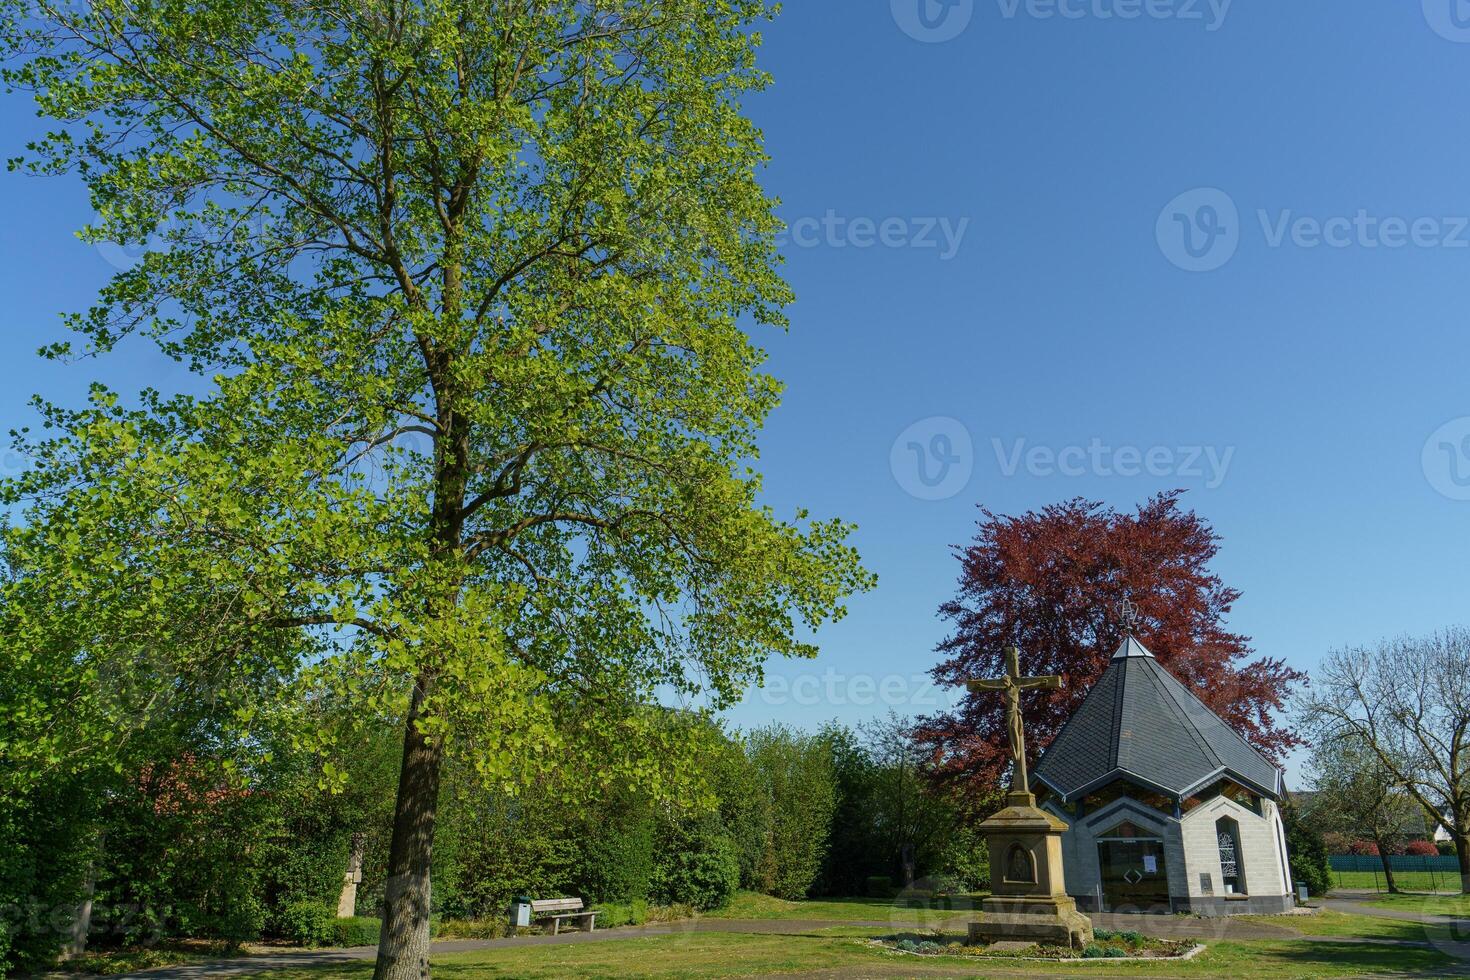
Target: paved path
<point x="1357" y="903"/>
<point x="1447" y="933"/>
<point x="1157" y="926"/>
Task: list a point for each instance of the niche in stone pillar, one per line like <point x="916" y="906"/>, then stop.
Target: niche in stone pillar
<point x="1020" y="866"/>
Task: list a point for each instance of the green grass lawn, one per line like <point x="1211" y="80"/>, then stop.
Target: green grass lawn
<point x="753" y="905"/>
<point x="1427" y="904"/>
<point x="130" y="961"/>
<point x="1419" y="881"/>
<point x="1340" y="925"/>
<point x="709" y="955"/>
<point x="844" y="949"/>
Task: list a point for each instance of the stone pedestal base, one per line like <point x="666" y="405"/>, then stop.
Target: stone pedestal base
<point x="1054" y="921"/>
<point x="1029" y="901"/>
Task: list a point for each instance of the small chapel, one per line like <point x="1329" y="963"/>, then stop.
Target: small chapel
<point x="1167" y="807"/>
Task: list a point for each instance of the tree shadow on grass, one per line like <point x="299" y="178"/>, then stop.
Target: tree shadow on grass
<point x="1380" y="959"/>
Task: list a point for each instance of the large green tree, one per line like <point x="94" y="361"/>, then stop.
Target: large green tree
<point x="467" y="287"/>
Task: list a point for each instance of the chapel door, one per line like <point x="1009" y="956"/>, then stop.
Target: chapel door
<point x="1134" y="878"/>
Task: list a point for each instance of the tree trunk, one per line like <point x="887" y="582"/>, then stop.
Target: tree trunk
<point x="403" y="947"/>
<point x="1383" y="855"/>
<point x="1462" y="850"/>
<point x="906" y="859"/>
<point x="82" y="922"/>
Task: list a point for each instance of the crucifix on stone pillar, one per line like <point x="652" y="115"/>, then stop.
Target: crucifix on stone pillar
<point x="1013" y="684"/>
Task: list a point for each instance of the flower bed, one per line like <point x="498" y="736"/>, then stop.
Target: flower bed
<point x="1106" y="944"/>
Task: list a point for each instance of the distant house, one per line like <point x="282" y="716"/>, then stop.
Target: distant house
<point x="1417" y="825"/>
<point x="1442" y="836"/>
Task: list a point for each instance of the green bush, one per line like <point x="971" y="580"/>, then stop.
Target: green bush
<point x="697" y="864"/>
<point x="1446" y="848"/>
<point x="315" y="924"/>
<point x="1106" y="951"/>
<point x="306" y="923"/>
<point x="964" y="854"/>
<point x="616" y="860"/>
<point x="356" y="931"/>
<point x="492" y="846"/>
<point x="1307" y="852"/>
<point x="613" y="914"/>
<point x="46" y="842"/>
<point x="880" y="886"/>
<point x="798" y="780"/>
<point x="494" y="928"/>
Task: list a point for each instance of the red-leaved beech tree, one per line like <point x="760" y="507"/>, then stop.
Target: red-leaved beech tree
<point x="1052" y="582"/>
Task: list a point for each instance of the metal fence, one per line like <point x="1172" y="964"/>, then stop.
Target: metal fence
<point x="1411" y="872"/>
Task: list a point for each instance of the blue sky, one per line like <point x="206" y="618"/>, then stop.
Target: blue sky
<point x="988" y="246"/>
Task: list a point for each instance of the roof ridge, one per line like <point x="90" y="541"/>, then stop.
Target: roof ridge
<point x="1072" y="717"/>
<point x="1223" y="724"/>
<point x="1182" y="714"/>
<point x="1115" y="751"/>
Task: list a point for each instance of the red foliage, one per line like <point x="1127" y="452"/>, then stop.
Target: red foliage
<point x="1051" y="582"/>
<point x="1421" y="848"/>
<point x="1366" y="848"/>
<point x="184" y="783"/>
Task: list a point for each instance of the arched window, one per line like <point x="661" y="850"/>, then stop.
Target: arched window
<point x="1232" y="870"/>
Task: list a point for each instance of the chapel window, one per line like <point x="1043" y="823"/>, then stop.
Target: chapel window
<point x="1232" y="872"/>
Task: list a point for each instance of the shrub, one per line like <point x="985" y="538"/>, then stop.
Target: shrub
<point x="1364" y="848"/>
<point x="357" y="931"/>
<point x="315" y="924"/>
<point x="1446" y="848"/>
<point x="494" y="928"/>
<point x="306" y="923"/>
<point x="671" y="913"/>
<point x="797" y="778"/>
<point x="614" y="914"/>
<point x="1421" y="848"/>
<point x="947" y="885"/>
<point x="1307" y="852"/>
<point x="616" y="860"/>
<point x="46" y="841"/>
<point x="1099" y="951"/>
<point x="880" y="886"/>
<point x="494" y="846"/>
<point x="697" y="864"/>
<point x="966" y="855"/>
<point x="745" y="810"/>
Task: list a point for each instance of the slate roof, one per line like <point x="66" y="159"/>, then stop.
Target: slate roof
<point x="1139" y="723"/>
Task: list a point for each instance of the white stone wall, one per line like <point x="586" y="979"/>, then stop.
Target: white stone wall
<point x="1260" y="848"/>
<point x="1190" y="847"/>
<point x="1079" y="844"/>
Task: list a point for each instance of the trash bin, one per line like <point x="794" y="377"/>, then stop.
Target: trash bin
<point x="520" y="912"/>
<point x="1301" y="892"/>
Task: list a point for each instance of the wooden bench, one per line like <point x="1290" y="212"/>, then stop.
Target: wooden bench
<point x="560" y="909"/>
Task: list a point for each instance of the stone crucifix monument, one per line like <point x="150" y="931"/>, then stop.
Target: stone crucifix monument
<point x="1028" y="897"/>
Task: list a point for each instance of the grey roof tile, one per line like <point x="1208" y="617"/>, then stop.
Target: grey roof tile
<point x="1141" y="720"/>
